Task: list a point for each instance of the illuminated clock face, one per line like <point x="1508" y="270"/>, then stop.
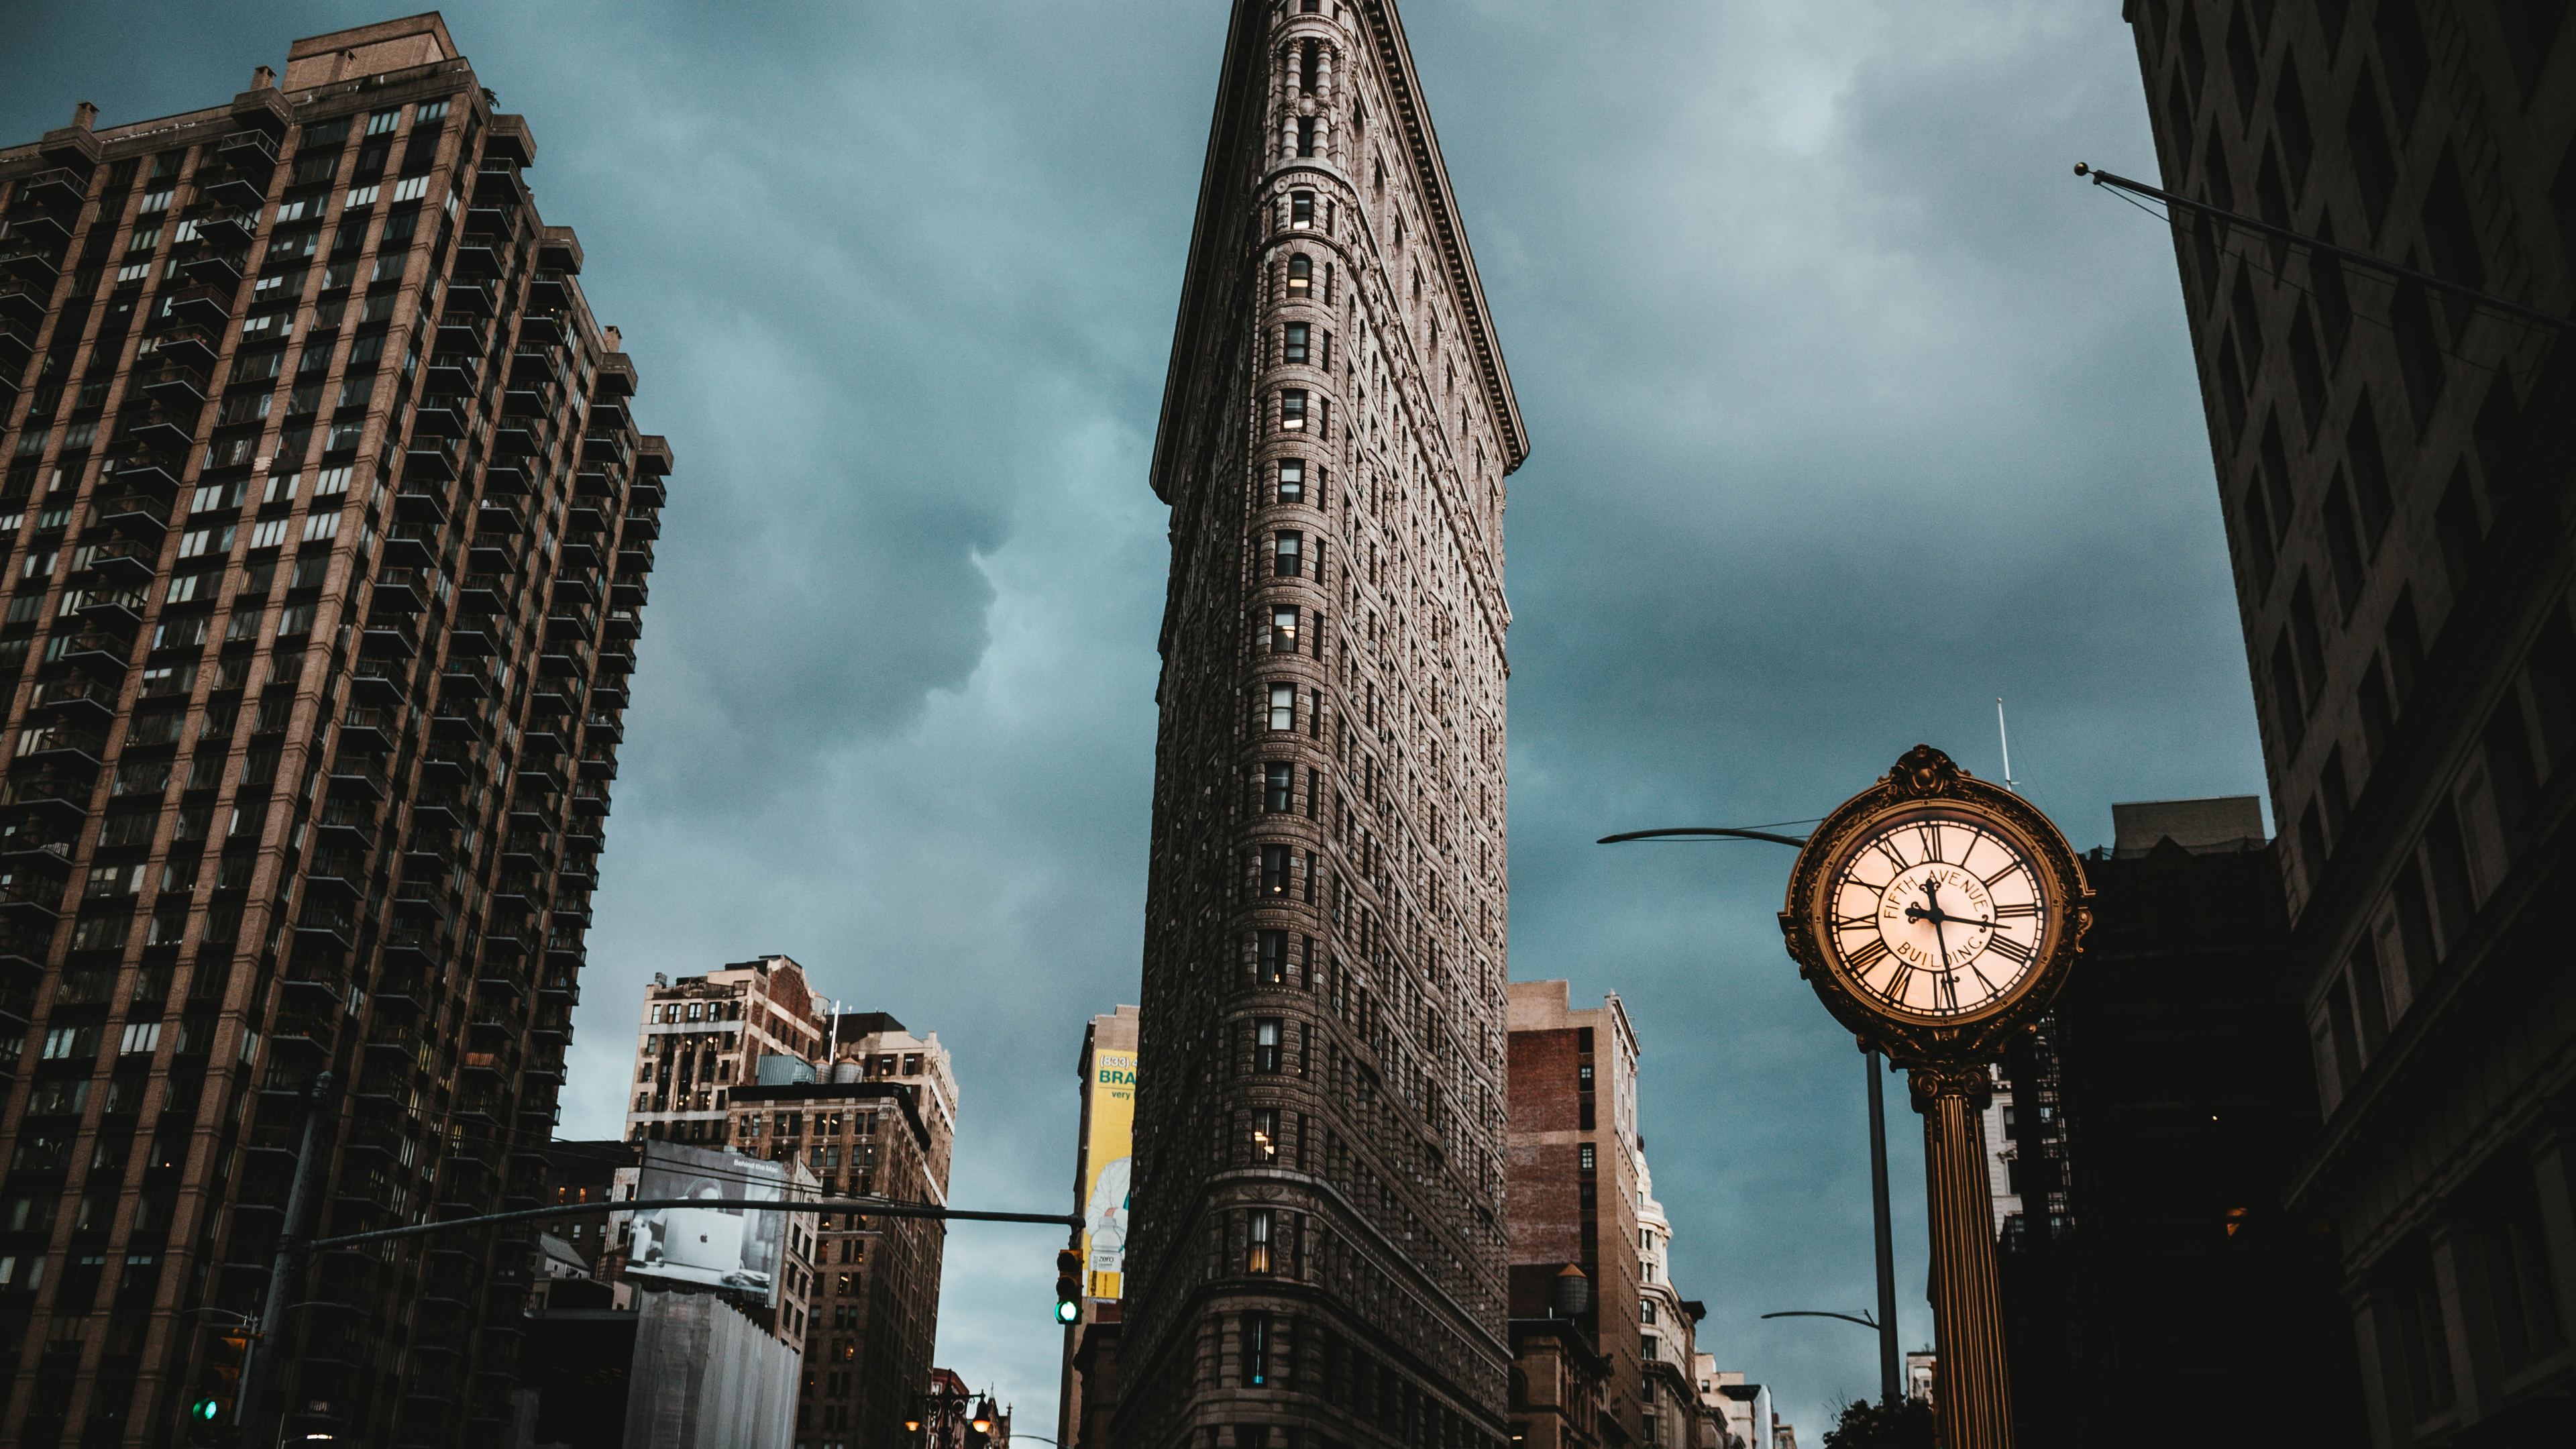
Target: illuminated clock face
<point x="1937" y="914"/>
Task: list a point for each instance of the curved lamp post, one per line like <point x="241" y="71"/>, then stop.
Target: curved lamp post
<point x="1891" y="1382"/>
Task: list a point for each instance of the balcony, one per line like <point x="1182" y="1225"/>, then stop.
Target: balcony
<point x="433" y="458"/>
<point x="440" y="415"/>
<point x="505" y="478"/>
<point x="163" y="429"/>
<point x="360" y="777"/>
<point x="423" y="499"/>
<point x="77" y="697"/>
<point x="412" y="545"/>
<point x="643" y="525"/>
<point x="349" y="823"/>
<point x="229" y="231"/>
<point x="454" y="374"/>
<point x="543" y="328"/>
<point x="153" y="473"/>
<point x="477" y="257"/>
<point x="233" y="188"/>
<point x="585" y="518"/>
<point x="611" y="415"/>
<point x="63" y="745"/>
<point x="467" y="679"/>
<point x="605" y="447"/>
<point x="215" y="269"/>
<point x="616" y="376"/>
<point x="25" y="302"/>
<point x="248" y="151"/>
<point x="538" y="777"/>
<point x="200" y="306"/>
<point x="136" y="515"/>
<point x="519" y="437"/>
<point x="32" y="898"/>
<point x="590" y="797"/>
<point x="577" y="589"/>
<point x="469" y="298"/>
<point x="562" y="985"/>
<point x="121" y="561"/>
<point x="391" y="639"/>
<point x="382" y="681"/>
<point x="59" y="189"/>
<point x="55" y="792"/>
<point x="546" y="293"/>
<point x="30" y="263"/>
<point x="176" y="386"/>
<point x="92" y="652"/>
<point x="400" y="591"/>
<point x="461" y="337"/>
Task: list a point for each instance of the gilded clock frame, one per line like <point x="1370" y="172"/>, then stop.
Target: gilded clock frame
<point x="1924" y="777"/>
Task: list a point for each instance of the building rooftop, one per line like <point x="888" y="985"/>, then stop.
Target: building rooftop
<point x="2222" y="824"/>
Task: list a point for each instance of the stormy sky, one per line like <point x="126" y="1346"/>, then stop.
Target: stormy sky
<point x="1851" y="409"/>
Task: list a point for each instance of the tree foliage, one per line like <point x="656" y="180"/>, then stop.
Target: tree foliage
<point x="1864" y="1425"/>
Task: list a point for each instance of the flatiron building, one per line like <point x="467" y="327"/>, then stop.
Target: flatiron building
<point x="1318" y="1246"/>
<point x="324" y="532"/>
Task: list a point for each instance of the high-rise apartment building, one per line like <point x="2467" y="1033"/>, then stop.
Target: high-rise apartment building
<point x="326" y="529"/>
<point x="2392" y="462"/>
<point x="1576" y="1179"/>
<point x="1318" y="1240"/>
<point x="703" y="1035"/>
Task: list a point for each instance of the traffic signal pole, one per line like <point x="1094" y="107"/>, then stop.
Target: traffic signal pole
<point x="251" y="1411"/>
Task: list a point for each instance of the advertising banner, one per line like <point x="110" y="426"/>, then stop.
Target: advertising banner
<point x="1106" y="1157"/>
<point x="716" y="1246"/>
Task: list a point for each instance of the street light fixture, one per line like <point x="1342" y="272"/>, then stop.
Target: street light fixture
<point x="1891" y="1383"/>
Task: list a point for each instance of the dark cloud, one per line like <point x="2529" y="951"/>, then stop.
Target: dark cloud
<point x="1852" y="410"/>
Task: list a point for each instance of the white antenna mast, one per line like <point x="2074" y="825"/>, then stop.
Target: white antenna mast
<point x="2006" y="736"/>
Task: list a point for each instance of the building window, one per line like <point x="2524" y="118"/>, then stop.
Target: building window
<point x="1301" y="277"/>
<point x="1283" y="707"/>
<point x="1648" y="1307"/>
<point x="1292" y="480"/>
<point x="1274" y="870"/>
<point x="1265" y="1135"/>
<point x="1273" y="957"/>
<point x="1583" y="1157"/>
<point x="1288" y="555"/>
<point x="1292" y="410"/>
<point x="1293" y="345"/>
<point x="1283" y="630"/>
<point x="1265" y="1044"/>
<point x="1275" y="788"/>
<point x="1301" y="209"/>
<point x="1305" y="135"/>
<point x="1256" y="1253"/>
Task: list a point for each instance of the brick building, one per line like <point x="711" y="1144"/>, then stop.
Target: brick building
<point x="326" y="529"/>
<point x="874" y="1302"/>
<point x="2392" y="462"/>
<point x="1318" y="1239"/>
<point x="1576" y="1179"/>
<point x="702" y="1035"/>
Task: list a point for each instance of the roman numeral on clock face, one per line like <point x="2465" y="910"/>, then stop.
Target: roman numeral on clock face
<point x="1928" y="835"/>
<point x="1864" y="958"/>
<point x="2010" y="948"/>
<point x="2026" y="909"/>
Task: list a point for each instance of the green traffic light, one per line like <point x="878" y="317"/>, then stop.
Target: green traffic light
<point x="1066" y="1310"/>
<point x="206" y="1409"/>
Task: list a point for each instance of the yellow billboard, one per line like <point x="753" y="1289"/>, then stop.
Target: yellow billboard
<point x="1105" y="1163"/>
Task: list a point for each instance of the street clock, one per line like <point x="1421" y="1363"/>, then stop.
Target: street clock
<point x="1935" y="915"/>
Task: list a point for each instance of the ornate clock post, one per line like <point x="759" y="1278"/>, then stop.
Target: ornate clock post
<point x="1935" y="915"/>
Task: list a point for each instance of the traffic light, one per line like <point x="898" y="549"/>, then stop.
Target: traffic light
<point x="1068" y="1286"/>
<point x="211" y="1416"/>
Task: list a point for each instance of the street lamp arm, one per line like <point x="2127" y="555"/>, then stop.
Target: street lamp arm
<point x="1863" y="1319"/>
<point x="1729" y="832"/>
